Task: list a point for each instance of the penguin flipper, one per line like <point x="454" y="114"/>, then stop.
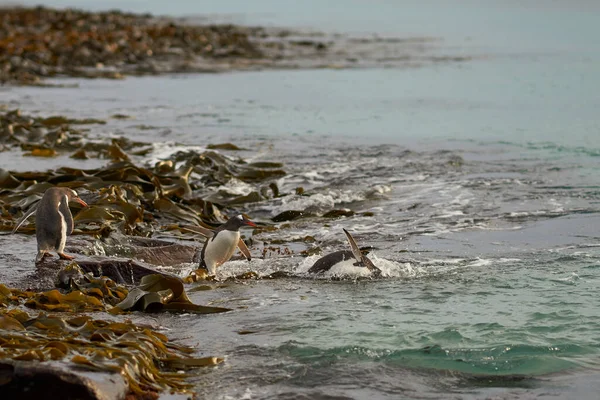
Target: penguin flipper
<point x="244" y="249"/>
<point x="28" y="214"/>
<point x="355" y="250"/>
<point x="360" y="257"/>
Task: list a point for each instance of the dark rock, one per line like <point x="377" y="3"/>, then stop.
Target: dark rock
<point x="290" y="215"/>
<point x="338" y="213"/>
<point x="124" y="271"/>
<point x="34" y="380"/>
<point x="223" y="146"/>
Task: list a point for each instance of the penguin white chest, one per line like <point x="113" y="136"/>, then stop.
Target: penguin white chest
<point x="63" y="228"/>
<point x="220" y="248"/>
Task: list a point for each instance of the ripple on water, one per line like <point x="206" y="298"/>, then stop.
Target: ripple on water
<point x="503" y="359"/>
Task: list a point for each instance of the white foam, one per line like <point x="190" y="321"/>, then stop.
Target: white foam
<point x="236" y="187"/>
<point x="347" y="269"/>
<point x="326" y="200"/>
<point x="480" y="263"/>
<point x="299" y="266"/>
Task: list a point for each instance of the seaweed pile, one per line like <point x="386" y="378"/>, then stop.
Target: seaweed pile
<point x="38" y="43"/>
<point x="126" y="200"/>
<point x="135" y="200"/>
<point x="146" y="359"/>
<point x="42" y="42"/>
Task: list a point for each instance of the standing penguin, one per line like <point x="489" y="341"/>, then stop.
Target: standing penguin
<point x="53" y="221"/>
<point x="221" y="244"/>
<point x="355" y="255"/>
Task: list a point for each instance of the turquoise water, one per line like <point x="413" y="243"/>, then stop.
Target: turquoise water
<point x="483" y="182"/>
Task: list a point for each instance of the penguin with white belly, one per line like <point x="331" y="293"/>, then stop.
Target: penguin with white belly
<point x="221" y="244"/>
<point x="336" y="258"/>
<point x="53" y="221"/>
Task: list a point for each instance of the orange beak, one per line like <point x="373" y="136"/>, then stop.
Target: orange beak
<point x="250" y="223"/>
<point x="83" y="203"/>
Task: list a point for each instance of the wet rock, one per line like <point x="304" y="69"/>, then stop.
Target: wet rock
<point x="223" y="146"/>
<point x="121" y="116"/>
<point x="58" y="120"/>
<point x="339" y="213"/>
<point x="456" y="161"/>
<point x="274" y="188"/>
<point x="32" y="381"/>
<point x="252" y="197"/>
<point x="255" y="174"/>
<point x="125" y="271"/>
<point x="290" y="215"/>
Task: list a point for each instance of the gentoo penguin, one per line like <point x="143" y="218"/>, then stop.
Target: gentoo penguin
<point x="53" y="221"/>
<point x="325" y="263"/>
<point x="221" y="244"/>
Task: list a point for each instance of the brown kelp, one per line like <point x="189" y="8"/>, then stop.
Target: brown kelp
<point x="43" y="42"/>
<point x="82" y="292"/>
<point x="160" y="292"/>
<point x="146" y="358"/>
<point x="128" y="203"/>
<point x="132" y="199"/>
<point x="37" y="43"/>
<point x="51" y="136"/>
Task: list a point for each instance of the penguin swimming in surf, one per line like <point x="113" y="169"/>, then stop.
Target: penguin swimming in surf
<point x="53" y="221"/>
<point x="221" y="243"/>
<point x="327" y="262"/>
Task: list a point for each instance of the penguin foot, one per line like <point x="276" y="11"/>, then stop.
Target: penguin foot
<point x="41" y="255"/>
<point x="64" y="256"/>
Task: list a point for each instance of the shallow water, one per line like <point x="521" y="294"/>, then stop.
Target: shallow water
<point x="483" y="182"/>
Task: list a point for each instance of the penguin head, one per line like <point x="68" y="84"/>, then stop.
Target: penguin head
<point x="236" y="222"/>
<point x="73" y="196"/>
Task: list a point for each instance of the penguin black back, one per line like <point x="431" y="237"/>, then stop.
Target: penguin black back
<point x="325" y="263"/>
